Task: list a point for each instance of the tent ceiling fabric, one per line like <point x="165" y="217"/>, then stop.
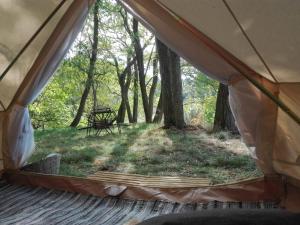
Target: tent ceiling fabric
<point x="19" y="20"/>
<point x="272" y="27"/>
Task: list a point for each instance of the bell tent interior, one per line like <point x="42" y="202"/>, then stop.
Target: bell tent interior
<point x="252" y="46"/>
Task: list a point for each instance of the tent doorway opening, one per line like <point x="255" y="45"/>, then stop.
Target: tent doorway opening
<point x="117" y="63"/>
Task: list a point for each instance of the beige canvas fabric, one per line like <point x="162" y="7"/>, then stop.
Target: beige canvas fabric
<point x="19" y="20"/>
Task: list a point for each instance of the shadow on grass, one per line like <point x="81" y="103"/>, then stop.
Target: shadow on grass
<point x="148" y="150"/>
<point x="179" y="153"/>
<point x="121" y="147"/>
<point x="80" y="152"/>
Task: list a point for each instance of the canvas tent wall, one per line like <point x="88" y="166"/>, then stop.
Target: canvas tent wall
<point x="249" y="45"/>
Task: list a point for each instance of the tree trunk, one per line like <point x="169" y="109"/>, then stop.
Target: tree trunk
<point x="171" y="86"/>
<point x="224" y="119"/>
<point x="95" y="100"/>
<point x="121" y="112"/>
<point x="127" y="104"/>
<point x="176" y="88"/>
<point x="122" y="107"/>
<point x="135" y="95"/>
<point x="153" y="86"/>
<point x="159" y="111"/>
<point x="124" y="86"/>
<point x="166" y="91"/>
<point x="141" y="71"/>
<point x="91" y="70"/>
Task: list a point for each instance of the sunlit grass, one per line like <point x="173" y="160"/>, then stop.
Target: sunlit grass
<point x="149" y="150"/>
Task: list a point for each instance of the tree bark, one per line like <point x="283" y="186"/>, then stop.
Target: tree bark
<point x="167" y="100"/>
<point x="176" y="88"/>
<point x="159" y="111"/>
<point x="121" y="112"/>
<point x="127" y="85"/>
<point x="124" y="79"/>
<point x="95" y="99"/>
<point x="153" y="86"/>
<point x="91" y="70"/>
<point x="135" y="95"/>
<point x="224" y="119"/>
<point x="141" y="71"/>
<point x="171" y="86"/>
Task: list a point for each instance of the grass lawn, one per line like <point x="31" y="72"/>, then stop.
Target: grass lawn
<point x="149" y="150"/>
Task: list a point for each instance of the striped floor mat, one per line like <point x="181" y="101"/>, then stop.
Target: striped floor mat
<point x="25" y="205"/>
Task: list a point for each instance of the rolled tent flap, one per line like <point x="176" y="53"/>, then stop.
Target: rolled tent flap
<point x="17" y="141"/>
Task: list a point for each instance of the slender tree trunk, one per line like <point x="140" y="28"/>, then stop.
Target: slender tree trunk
<point x="135" y="94"/>
<point x="124" y="81"/>
<point x="141" y="71"/>
<point x="91" y="68"/>
<point x="127" y="104"/>
<point x="95" y="100"/>
<point x="153" y="86"/>
<point x="224" y="119"/>
<point x="122" y="107"/>
<point x="159" y="111"/>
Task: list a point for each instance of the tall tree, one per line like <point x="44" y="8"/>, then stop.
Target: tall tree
<point x="171" y="86"/>
<point x="224" y="119"/>
<point x="91" y="70"/>
<point x="141" y="70"/>
<point x="135" y="95"/>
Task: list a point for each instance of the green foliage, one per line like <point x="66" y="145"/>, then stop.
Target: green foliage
<point x="200" y="94"/>
<point x="58" y="104"/>
<point x="209" y="106"/>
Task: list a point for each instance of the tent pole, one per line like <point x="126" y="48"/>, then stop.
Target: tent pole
<point x="275" y="99"/>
